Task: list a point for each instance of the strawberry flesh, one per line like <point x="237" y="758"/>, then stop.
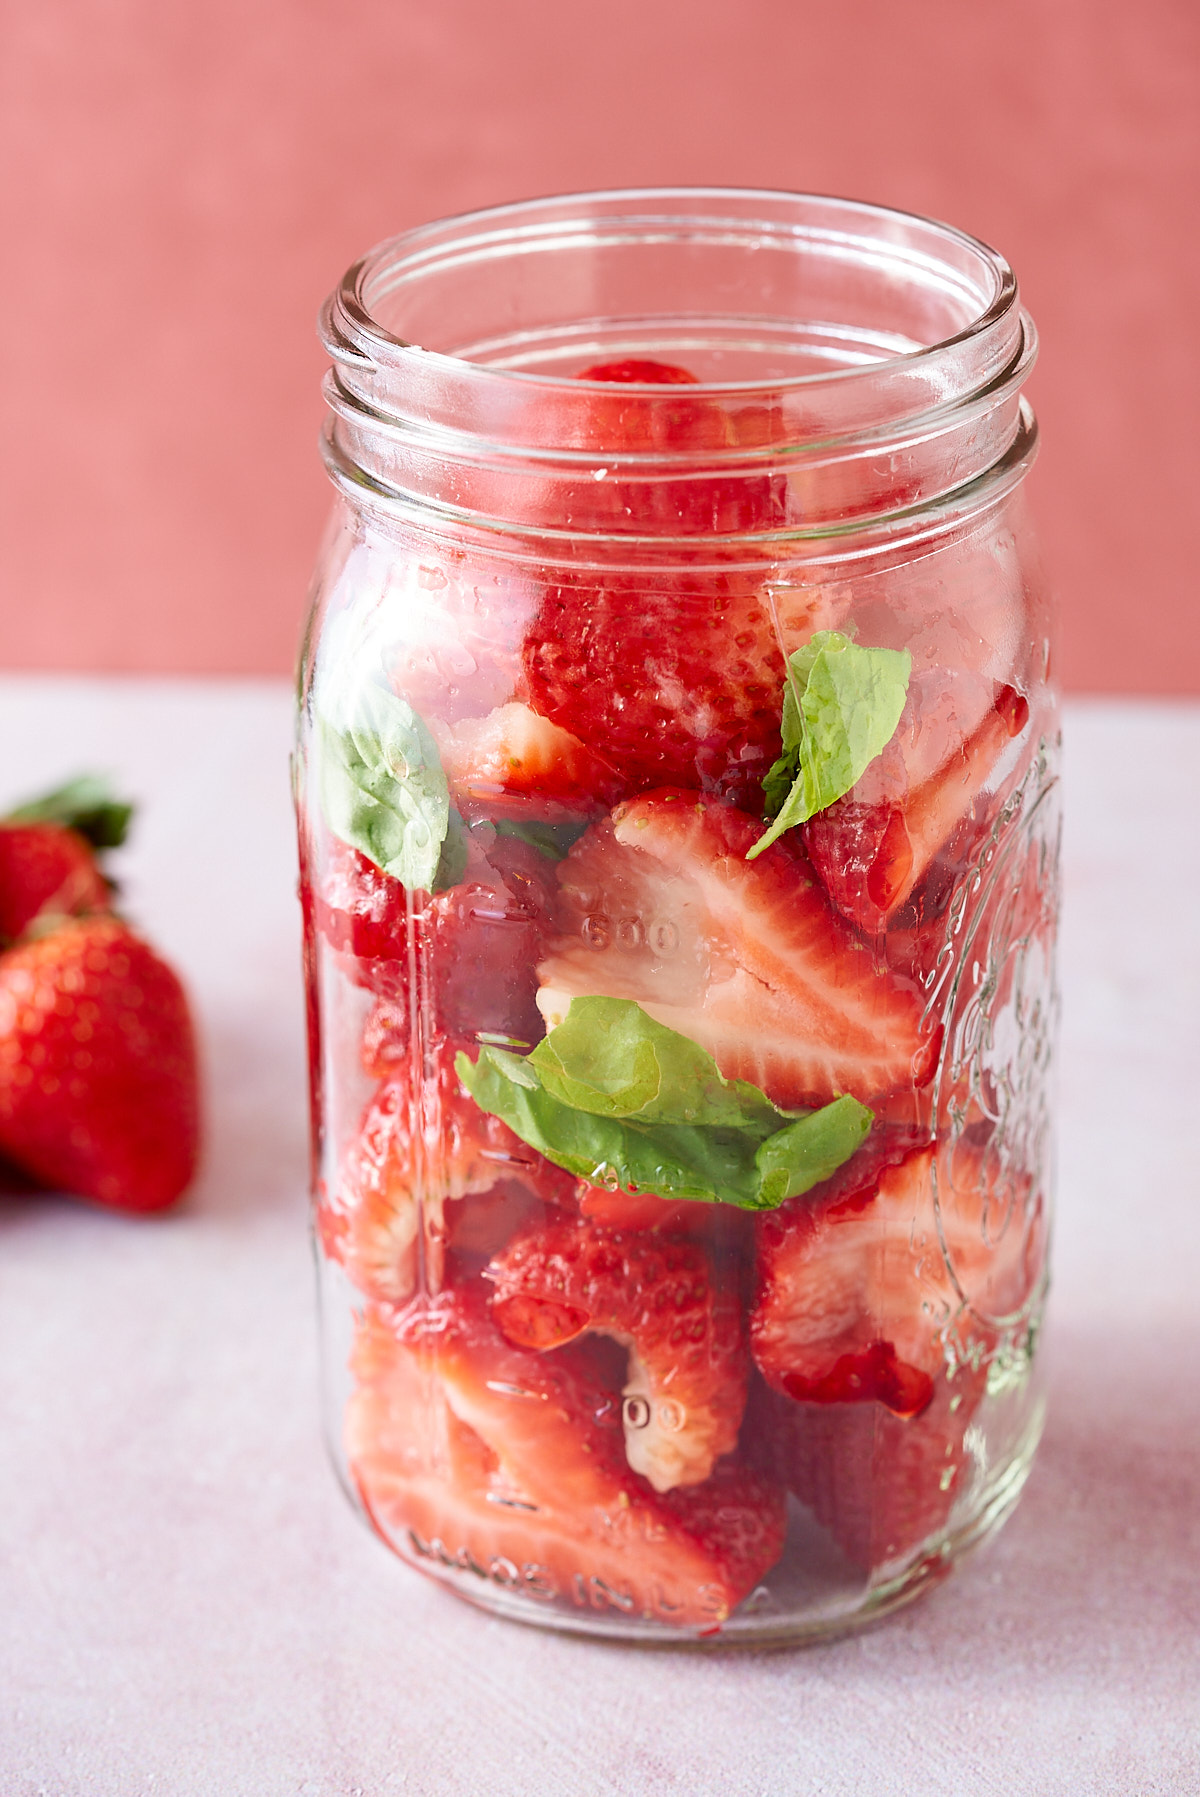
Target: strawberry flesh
<point x="659" y="905"/>
<point x="659" y="1295"/>
<point x="872" y="853"/>
<point x="514" y="764"/>
<point x="508" y="1465"/>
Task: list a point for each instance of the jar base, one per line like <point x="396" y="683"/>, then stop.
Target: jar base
<point x="841" y="1608"/>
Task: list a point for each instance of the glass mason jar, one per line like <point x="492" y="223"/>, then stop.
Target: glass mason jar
<point x="677" y="803"/>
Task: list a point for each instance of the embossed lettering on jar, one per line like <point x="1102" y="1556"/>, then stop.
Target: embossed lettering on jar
<point x="677" y="794"/>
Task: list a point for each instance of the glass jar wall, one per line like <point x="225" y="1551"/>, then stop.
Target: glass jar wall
<point x="677" y="804"/>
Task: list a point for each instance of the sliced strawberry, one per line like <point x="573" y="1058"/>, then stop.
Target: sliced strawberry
<point x="660" y="905"/>
<point x="475" y="946"/>
<point x="885" y="1486"/>
<point x="660" y="1296"/>
<point x="98" y="1082"/>
<point x="434" y="1143"/>
<point x="864" y="1296"/>
<point x="673" y="674"/>
<point x="642" y="370"/>
<point x="513" y="763"/>
<point x="875" y="1314"/>
<point x="675" y="680"/>
<point x="508" y="1465"/>
<point x="631" y="1210"/>
<point x="359" y="910"/>
<point x="874" y="847"/>
<point x="47" y="872"/>
<point x="695" y="497"/>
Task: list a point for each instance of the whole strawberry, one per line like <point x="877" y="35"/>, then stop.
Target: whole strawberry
<point x="98" y="1086"/>
<point x="48" y="865"/>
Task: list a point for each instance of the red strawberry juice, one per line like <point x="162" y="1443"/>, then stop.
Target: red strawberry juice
<point x="677" y="800"/>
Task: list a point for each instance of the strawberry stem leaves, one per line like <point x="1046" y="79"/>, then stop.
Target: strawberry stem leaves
<point x="612" y="1096"/>
<point x="85" y="805"/>
<point x="841" y="707"/>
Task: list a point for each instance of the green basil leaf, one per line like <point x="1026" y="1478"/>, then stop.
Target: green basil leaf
<point x="610" y="1057"/>
<point x="841" y="706"/>
<point x="452" y="862"/>
<point x="675" y="1161"/>
<point x="805" y="1152"/>
<point x="383" y="790"/>
<point x="618" y="1099"/>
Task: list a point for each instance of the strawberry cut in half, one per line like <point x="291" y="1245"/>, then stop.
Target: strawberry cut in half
<point x="675" y="680"/>
<point x="673" y="675"/>
<point x="874" y="847"/>
<point x="98" y="1077"/>
<point x="507" y="1466"/>
<point x="516" y="765"/>
<point x="883" y="1485"/>
<point x="414" y="1151"/>
<point x="874" y="1318"/>
<point x="865" y="1296"/>
<point x="659" y="905"/>
<point x="475" y="946"/>
<point x="659" y="1296"/>
<point x="694" y="497"/>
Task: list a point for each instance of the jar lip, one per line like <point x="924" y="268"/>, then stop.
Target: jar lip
<point x="353" y="333"/>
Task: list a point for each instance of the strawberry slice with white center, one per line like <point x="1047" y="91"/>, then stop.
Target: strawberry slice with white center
<point x="514" y="764"/>
<point x="437" y="1145"/>
<point x="862" y="1297"/>
<point x="873" y="847"/>
<point x="660" y="1297"/>
<point x="871" y="1311"/>
<point x="659" y="905"/>
<point x="507" y="1466"/>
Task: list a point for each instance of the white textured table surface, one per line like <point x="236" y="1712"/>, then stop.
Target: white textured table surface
<point x="187" y="1603"/>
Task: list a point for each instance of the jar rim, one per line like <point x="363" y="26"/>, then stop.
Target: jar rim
<point x="349" y="321"/>
<point x="856" y="333"/>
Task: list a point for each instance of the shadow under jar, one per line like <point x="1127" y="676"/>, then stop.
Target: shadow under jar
<point x="678" y="813"/>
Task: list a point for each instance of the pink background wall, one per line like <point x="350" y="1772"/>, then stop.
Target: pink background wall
<point x="185" y="182"/>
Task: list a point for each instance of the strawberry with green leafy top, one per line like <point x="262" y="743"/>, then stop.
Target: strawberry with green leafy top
<point x="48" y="849"/>
<point x="98" y="1078"/>
<point x="98" y="1084"/>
